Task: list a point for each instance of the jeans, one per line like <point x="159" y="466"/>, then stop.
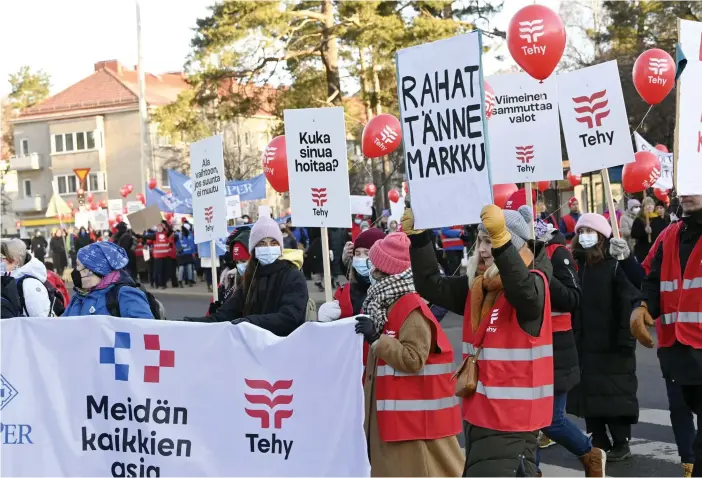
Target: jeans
<point x="564" y="432"/>
<point x="682" y="420"/>
<point x="185" y="272"/>
<point x="693" y="397"/>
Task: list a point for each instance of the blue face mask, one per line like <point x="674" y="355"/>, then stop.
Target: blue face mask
<point x="241" y="268"/>
<point x="361" y="266"/>
<point x="587" y="239"/>
<point x="267" y="254"/>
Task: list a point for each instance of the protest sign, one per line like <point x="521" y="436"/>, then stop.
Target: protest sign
<point x="688" y="137"/>
<point x="134" y="397"/>
<point x="145" y="219"/>
<point x="594" y="118"/>
<point x="134" y="206"/>
<point x="100" y="220"/>
<point x="233" y="207"/>
<point x="83" y="219"/>
<point x="441" y="99"/>
<point x="209" y="194"/>
<point x="665" y="181"/>
<point x="526" y="132"/>
<point x="247" y="189"/>
<point x="114" y="207"/>
<point x="317" y="167"/>
<point x="362" y="205"/>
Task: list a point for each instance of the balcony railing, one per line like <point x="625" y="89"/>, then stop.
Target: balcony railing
<point x="30" y="204"/>
<point x="25" y="163"/>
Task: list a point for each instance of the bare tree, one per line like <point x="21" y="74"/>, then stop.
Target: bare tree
<point x="584" y="21"/>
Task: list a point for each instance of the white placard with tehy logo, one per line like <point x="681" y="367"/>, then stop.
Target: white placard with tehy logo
<point x="689" y="123"/>
<point x="315" y="141"/>
<point x="209" y="191"/>
<point x="526" y="132"/>
<point x="594" y="119"/>
<point x="444" y="135"/>
<point x="665" y="181"/>
<point x="233" y="206"/>
<point x="136" y="397"/>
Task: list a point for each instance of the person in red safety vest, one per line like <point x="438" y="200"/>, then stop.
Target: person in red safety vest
<point x="412" y="415"/>
<point x="568" y="222"/>
<point x="507" y="316"/>
<point x="160" y="256"/>
<point x="671" y="293"/>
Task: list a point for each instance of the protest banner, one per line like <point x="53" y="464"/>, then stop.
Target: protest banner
<point x="665" y="181"/>
<point x="247" y="189"/>
<point x="318" y="173"/>
<point x="362" y="205"/>
<point x="688" y="129"/>
<point x="233" y="207"/>
<point x="441" y="100"/>
<point x="132" y="397"/>
<point x="209" y="195"/>
<point x="144" y="219"/>
<point x="114" y="207"/>
<point x="525" y="119"/>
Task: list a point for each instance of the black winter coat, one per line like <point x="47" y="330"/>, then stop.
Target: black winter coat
<point x="638" y="232"/>
<point x="565" y="297"/>
<point x="278" y="297"/>
<point x="606" y="348"/>
<point x="10" y="299"/>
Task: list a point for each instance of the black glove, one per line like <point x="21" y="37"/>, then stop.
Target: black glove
<point x="214" y="306"/>
<point x="240" y="320"/>
<point x="366" y="327"/>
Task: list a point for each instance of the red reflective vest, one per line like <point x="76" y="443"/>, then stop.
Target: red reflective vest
<point x="570" y="224"/>
<point x="681" y="307"/>
<point x="162" y="246"/>
<point x="447" y="242"/>
<point x="422" y="405"/>
<point x="515" y="378"/>
<point x="139" y="251"/>
<point x="560" y="321"/>
<point x="343" y="296"/>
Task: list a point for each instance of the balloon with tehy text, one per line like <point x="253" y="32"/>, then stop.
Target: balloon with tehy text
<point x="489" y="100"/>
<point x="370" y="189"/>
<point x="662" y="147"/>
<point x="574" y="179"/>
<point x="543" y="185"/>
<point x="275" y="164"/>
<point x="536" y="39"/>
<point x="654" y="75"/>
<point x="642" y="173"/>
<point x="382" y="135"/>
<point x="502" y="192"/>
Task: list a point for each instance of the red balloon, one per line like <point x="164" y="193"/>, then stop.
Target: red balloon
<point x="574" y="179"/>
<point x="543" y="185"/>
<point x="141" y="198"/>
<point x="129" y="188"/>
<point x="518" y="199"/>
<point x="118" y="218"/>
<point x="662" y="194"/>
<point x="123" y="191"/>
<point x="502" y="192"/>
<point x="654" y="75"/>
<point x="111" y="222"/>
<point x="90" y="197"/>
<point x="662" y="147"/>
<point x="370" y="190"/>
<point x="405" y="187"/>
<point x="382" y="135"/>
<point x="169" y="216"/>
<point x="393" y="195"/>
<point x="275" y="165"/>
<point x="489" y="100"/>
<point x="152" y="183"/>
<point x="94" y="207"/>
<point x="642" y="173"/>
<point x="536" y="39"/>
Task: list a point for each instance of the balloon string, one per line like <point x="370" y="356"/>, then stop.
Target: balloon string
<point x="642" y="120"/>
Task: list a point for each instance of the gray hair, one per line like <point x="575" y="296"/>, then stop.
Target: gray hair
<point x="14" y="250"/>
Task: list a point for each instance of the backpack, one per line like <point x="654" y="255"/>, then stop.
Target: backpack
<point x="157" y="309"/>
<point x="55" y="298"/>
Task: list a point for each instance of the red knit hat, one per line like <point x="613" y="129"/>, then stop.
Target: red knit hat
<point x="239" y="252"/>
<point x="391" y="255"/>
<point x="571" y="201"/>
<point x="367" y="238"/>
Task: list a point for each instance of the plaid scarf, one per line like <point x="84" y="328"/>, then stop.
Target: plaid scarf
<point x="383" y="294"/>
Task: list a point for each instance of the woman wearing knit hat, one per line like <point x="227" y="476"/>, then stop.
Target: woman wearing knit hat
<point x="506" y="307"/>
<point x="412" y="416"/>
<point x="646" y="228"/>
<point x="273" y="294"/>
<point x="606" y="396"/>
<point x="349" y="298"/>
<point x="235" y="262"/>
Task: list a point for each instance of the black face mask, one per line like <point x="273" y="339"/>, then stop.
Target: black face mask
<point x="77" y="278"/>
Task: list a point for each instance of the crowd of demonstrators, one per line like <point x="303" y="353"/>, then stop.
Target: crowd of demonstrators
<point x="568" y="221"/>
<point x="163" y="254"/>
<point x="186" y="253"/>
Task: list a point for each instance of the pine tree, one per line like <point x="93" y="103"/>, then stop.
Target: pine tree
<point x="28" y="88"/>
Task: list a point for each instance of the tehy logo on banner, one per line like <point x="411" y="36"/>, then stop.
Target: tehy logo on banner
<point x="209" y="213"/>
<point x="531" y="31"/>
<point x="591" y="110"/>
<point x="524" y="155"/>
<point x="319" y="198"/>
<point x="266" y="395"/>
<point x="123" y="341"/>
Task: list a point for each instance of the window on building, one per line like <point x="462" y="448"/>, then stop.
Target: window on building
<point x="93" y="182"/>
<point x="68" y="141"/>
<point x="67" y="184"/>
<point x="58" y="143"/>
<point x="80" y="141"/>
<point x="90" y="139"/>
<point x="27" y="187"/>
<point x="24" y="146"/>
<point x="164" y="178"/>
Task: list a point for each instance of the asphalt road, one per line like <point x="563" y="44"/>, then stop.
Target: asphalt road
<point x="653" y="444"/>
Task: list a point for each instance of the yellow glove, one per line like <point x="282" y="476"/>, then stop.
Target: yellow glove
<point x="494" y="221"/>
<point x="640" y="320"/>
<point x="407" y="222"/>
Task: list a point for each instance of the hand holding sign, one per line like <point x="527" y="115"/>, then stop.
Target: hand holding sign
<point x="654" y="75"/>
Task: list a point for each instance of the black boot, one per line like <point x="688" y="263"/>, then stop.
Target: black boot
<point x="619" y="452"/>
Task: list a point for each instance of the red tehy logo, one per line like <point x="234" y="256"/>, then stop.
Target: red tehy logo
<point x="264" y="393"/>
<point x="319" y="196"/>
<point x="209" y="214"/>
<point x="592" y="109"/>
<point x="525" y="153"/>
<point x="166" y="358"/>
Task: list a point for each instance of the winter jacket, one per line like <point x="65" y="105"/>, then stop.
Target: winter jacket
<point x="565" y="297"/>
<point x="81" y="241"/>
<point x="564" y="228"/>
<point x="300" y="235"/>
<point x="504" y="449"/>
<point x="132" y="301"/>
<point x="57" y="246"/>
<point x="278" y="297"/>
<point x="289" y="241"/>
<point x="125" y="240"/>
<point x="39" y="246"/>
<point x="57" y="282"/>
<point x="606" y="348"/>
<point x="36" y="297"/>
<point x="337" y="239"/>
<point x="680" y="362"/>
<point x="625" y="225"/>
<point x="638" y="233"/>
<point x="10" y="298"/>
<point x="185" y="248"/>
<point x="440" y="457"/>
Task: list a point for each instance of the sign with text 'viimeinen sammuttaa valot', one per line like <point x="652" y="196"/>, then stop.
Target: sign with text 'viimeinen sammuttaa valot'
<point x="440" y="92"/>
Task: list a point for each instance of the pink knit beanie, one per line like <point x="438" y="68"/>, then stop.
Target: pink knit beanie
<point x="391" y="255"/>
<point x="594" y="221"/>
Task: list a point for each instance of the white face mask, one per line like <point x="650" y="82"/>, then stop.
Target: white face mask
<point x="636" y="210"/>
<point x="587" y="239"/>
<point x="241" y="268"/>
<point x="267" y="254"/>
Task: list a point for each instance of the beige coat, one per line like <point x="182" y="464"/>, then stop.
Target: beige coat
<point x="407" y="353"/>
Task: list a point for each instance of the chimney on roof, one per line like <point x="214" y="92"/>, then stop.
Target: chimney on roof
<point x="112" y="65"/>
